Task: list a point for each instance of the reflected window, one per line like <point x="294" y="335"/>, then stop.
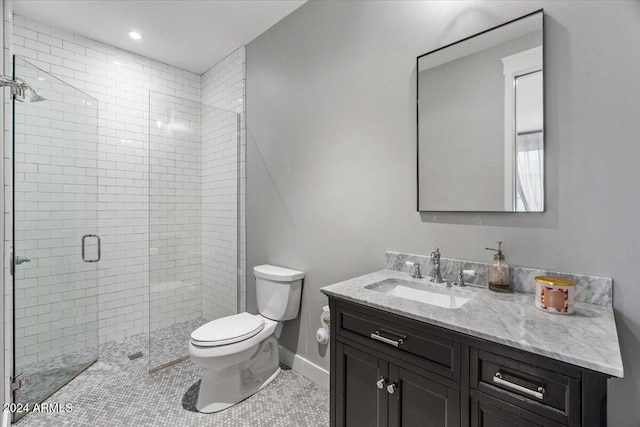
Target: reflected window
<point x="529" y="143"/>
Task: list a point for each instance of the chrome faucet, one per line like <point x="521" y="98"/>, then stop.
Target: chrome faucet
<point x="416" y="271"/>
<point x="460" y="276"/>
<point x="434" y="260"/>
<point x="459" y="279"/>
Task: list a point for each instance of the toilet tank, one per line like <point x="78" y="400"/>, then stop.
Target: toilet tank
<point x="278" y="291"/>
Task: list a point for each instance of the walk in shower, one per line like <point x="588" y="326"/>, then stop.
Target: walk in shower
<point x="193" y="209"/>
<point x="84" y="197"/>
<point x="55" y="243"/>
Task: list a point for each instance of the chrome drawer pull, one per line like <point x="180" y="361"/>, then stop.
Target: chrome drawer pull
<point x="538" y="394"/>
<point x="376" y="336"/>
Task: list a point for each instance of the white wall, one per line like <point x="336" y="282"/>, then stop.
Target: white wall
<point x="8" y="202"/>
<point x="189" y="179"/>
<point x="175" y="186"/>
<point x="56" y="197"/>
<point x="223" y="187"/>
<point x="5" y="9"/>
<point x="331" y="153"/>
<point x="121" y="82"/>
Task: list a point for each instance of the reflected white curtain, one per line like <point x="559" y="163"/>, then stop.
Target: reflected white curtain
<point x="529" y="172"/>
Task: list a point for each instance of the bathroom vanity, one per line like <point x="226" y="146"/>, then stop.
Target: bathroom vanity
<point x="494" y="360"/>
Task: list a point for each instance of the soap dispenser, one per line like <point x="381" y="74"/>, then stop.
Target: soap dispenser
<point x="499" y="272"/>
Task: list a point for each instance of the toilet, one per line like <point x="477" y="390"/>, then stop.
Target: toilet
<point x="239" y="353"/>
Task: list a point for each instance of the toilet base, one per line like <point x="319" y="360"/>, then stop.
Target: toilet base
<point x="227" y="385"/>
<point x="217" y="406"/>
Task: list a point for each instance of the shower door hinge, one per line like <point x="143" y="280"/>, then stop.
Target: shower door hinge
<point x="17" y="382"/>
<point x="6" y="81"/>
<point x="18" y="87"/>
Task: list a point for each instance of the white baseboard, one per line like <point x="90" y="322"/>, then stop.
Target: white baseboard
<point x="307" y="369"/>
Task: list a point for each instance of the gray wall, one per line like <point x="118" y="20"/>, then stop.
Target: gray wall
<point x="331" y="153"/>
<point x="461" y="130"/>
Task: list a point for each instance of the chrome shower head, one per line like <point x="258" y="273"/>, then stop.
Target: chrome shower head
<point x="35" y="96"/>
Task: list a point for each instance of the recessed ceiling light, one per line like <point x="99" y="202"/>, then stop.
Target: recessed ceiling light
<point x="135" y="35"/>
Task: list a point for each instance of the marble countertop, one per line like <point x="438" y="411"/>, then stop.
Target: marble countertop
<point x="588" y="338"/>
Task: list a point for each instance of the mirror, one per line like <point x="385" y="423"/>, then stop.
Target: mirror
<point x="481" y="121"/>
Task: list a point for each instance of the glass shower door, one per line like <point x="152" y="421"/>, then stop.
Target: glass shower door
<point x="56" y="247"/>
<point x="194" y="157"/>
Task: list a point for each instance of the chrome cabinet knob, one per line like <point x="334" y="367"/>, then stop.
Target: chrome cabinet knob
<point x="391" y="388"/>
<point x="381" y="382"/>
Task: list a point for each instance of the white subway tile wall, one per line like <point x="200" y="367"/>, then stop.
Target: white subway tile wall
<point x="56" y="199"/>
<point x="8" y="205"/>
<point x="220" y="213"/>
<point x="175" y="150"/>
<point x="223" y="159"/>
<point x="121" y="82"/>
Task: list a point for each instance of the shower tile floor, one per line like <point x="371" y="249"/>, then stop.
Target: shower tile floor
<point x="41" y="379"/>
<point x="169" y="343"/>
<point x="44" y="378"/>
<point x="116" y="391"/>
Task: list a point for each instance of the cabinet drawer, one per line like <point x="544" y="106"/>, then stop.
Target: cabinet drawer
<point x="401" y="338"/>
<point x="548" y="393"/>
<point x="500" y="414"/>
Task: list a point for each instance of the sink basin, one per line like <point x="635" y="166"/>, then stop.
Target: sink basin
<point x="419" y="292"/>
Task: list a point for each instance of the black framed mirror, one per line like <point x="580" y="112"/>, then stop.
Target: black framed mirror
<point x="480" y="118"/>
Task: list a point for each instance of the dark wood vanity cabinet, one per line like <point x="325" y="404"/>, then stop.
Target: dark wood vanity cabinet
<point x="377" y="392"/>
<point x="484" y="414"/>
<point x="388" y="370"/>
<point x="358" y="372"/>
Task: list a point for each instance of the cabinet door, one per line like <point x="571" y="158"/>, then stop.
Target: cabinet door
<point x="358" y="400"/>
<point x="419" y="401"/>
<point x="486" y="415"/>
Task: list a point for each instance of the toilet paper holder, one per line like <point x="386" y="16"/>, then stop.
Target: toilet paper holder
<point x="325" y="317"/>
<point x="322" y="334"/>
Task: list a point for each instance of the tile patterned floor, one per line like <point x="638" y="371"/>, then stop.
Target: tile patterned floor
<point x="117" y="391"/>
<point x="44" y="378"/>
<point x="170" y="343"/>
<point x="166" y="345"/>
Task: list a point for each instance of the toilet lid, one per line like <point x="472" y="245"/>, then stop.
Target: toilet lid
<point x="228" y="330"/>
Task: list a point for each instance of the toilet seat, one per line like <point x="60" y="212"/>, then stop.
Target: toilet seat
<point x="228" y="330"/>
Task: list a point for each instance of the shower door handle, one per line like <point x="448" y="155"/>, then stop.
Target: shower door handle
<point x="17" y="261"/>
<point x="21" y="259"/>
<point x="84" y="238"/>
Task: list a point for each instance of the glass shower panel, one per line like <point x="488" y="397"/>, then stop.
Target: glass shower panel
<point x="56" y="248"/>
<point x="193" y="188"/>
<point x="220" y="212"/>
